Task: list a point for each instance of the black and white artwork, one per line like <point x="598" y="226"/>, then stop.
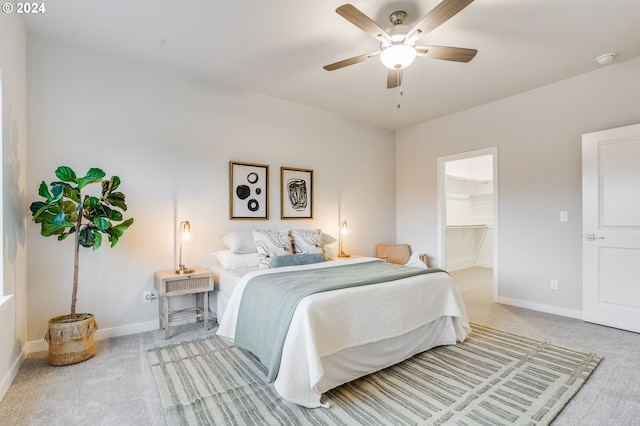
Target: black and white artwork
<point x="296" y="193"/>
<point x="248" y="191"/>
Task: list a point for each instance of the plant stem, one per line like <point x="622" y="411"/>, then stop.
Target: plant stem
<point x="76" y="262"/>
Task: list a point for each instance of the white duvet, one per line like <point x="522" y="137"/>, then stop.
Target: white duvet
<point x="391" y="321"/>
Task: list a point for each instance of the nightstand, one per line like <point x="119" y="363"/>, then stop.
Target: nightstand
<point x="169" y="284"/>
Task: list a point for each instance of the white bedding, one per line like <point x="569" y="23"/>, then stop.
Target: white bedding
<point x="340" y="335"/>
<point x="225" y="282"/>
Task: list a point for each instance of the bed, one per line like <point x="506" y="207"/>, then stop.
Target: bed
<point x="339" y="335"/>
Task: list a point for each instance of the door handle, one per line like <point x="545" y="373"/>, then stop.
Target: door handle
<point x="592" y="237"/>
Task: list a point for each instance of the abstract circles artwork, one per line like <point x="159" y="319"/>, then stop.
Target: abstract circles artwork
<point x="248" y="191"/>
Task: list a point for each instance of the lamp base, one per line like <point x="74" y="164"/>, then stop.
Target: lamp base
<point x="343" y="254"/>
<point x="184" y="270"/>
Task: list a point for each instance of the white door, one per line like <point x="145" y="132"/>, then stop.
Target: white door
<point x="611" y="227"/>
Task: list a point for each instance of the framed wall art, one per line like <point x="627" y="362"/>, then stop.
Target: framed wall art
<point x="296" y="193"/>
<point x="248" y="191"/>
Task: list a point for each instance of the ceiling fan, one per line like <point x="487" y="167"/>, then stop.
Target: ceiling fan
<point x="398" y="46"/>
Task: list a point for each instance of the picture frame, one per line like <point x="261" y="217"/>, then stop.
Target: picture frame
<point x="248" y="190"/>
<point x="296" y="193"/>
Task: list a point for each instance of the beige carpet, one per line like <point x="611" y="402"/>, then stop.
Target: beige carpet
<point x="493" y="378"/>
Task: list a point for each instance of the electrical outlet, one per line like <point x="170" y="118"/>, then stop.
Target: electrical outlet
<point x="147" y="296"/>
<point x="554" y="284"/>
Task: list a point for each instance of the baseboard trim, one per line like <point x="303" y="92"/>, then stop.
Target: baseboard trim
<point x="549" y="309"/>
<point x="102" y="333"/>
<point x="8" y="379"/>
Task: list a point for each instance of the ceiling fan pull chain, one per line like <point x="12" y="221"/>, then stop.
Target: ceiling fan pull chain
<point x="399" y="89"/>
<point x="399" y="94"/>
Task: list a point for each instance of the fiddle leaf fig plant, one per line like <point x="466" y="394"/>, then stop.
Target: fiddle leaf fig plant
<point x="66" y="211"/>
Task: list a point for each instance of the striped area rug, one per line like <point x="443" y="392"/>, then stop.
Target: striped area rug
<point x="493" y="378"/>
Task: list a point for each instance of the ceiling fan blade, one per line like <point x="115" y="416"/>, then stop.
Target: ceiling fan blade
<point x="362" y="21"/>
<point x="440" y="14"/>
<point x="446" y="53"/>
<point x="394" y="78"/>
<point x="350" y="61"/>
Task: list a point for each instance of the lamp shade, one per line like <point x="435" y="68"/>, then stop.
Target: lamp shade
<point x="398" y="56"/>
<point x="185" y="230"/>
<point x="343" y="231"/>
<point x="185" y="234"/>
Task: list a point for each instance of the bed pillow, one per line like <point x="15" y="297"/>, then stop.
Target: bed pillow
<point x="327" y="239"/>
<point x="231" y="260"/>
<point x="307" y="241"/>
<point x="270" y="244"/>
<point x="240" y="242"/>
<point x="296" y="259"/>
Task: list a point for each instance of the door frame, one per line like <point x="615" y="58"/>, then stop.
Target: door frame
<point x="442" y="208"/>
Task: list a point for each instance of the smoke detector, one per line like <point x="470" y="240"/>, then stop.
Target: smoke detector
<point x="606" y="58"/>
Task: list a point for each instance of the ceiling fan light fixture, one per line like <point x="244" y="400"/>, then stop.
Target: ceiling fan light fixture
<point x="398" y="56"/>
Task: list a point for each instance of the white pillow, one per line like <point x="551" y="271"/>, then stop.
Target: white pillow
<point x="270" y="244"/>
<point x="307" y="241"/>
<point x="231" y="260"/>
<point x="240" y="242"/>
<point x="327" y="239"/>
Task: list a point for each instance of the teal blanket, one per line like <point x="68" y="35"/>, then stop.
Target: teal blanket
<point x="269" y="301"/>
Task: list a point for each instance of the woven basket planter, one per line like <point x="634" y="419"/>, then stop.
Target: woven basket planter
<point x="71" y="340"/>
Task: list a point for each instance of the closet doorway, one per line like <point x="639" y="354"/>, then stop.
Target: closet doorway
<point x="468" y="218"/>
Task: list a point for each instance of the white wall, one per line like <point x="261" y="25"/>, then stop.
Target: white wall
<point x="538" y="135"/>
<point x="170" y="139"/>
<point x="13" y="309"/>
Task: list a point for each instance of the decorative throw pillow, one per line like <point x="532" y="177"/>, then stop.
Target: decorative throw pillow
<point x="307" y="241"/>
<point x="270" y="244"/>
<point x="296" y="259"/>
<point x="240" y="242"/>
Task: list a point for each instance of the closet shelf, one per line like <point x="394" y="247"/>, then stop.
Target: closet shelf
<point x="476" y="226"/>
<point x="465" y="196"/>
<point x="468" y="179"/>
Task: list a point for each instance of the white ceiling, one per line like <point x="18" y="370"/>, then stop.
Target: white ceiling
<point x="278" y="47"/>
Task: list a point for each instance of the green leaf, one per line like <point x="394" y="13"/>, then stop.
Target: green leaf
<point x="72" y="193"/>
<point x="46" y="213"/>
<point x="69" y="207"/>
<point x="92" y="176"/>
<point x="61" y="220"/>
<point x="66" y="174"/>
<point x="63" y="236"/>
<point x="114" y="215"/>
<point x="35" y="206"/>
<point x="124" y="225"/>
<point x="86" y="237"/>
<point x="57" y="189"/>
<point x="101" y="223"/>
<point x="44" y="191"/>
<point x="44" y="217"/>
<point x="116" y="232"/>
<point x="98" y="240"/>
<point x="117" y="199"/>
<point x="49" y="229"/>
<point x="91" y="202"/>
<point x="109" y="186"/>
<point x="114" y="239"/>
